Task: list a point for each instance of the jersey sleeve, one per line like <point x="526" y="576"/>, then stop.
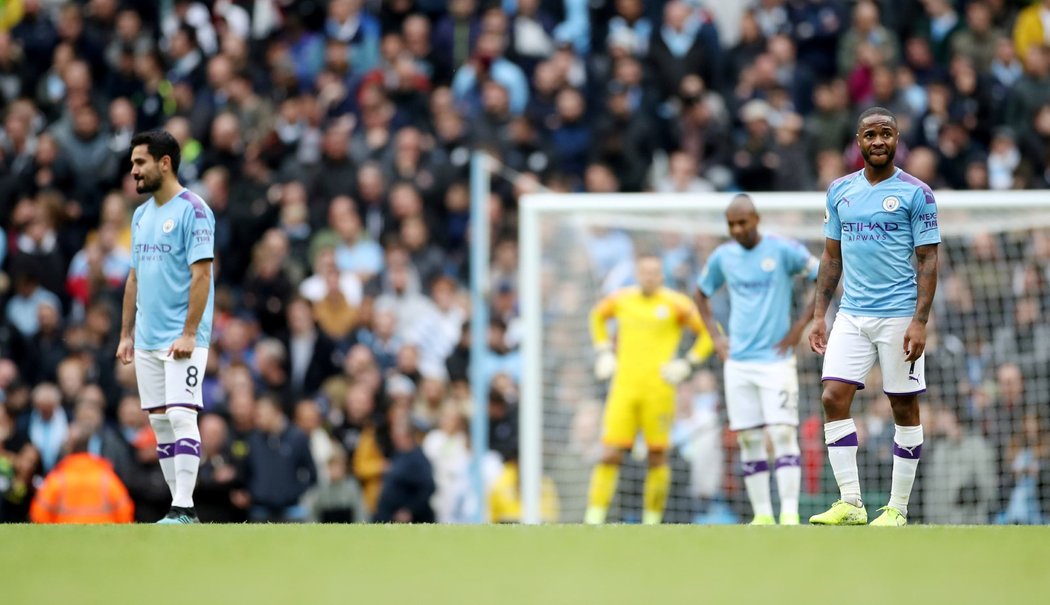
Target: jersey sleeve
<point x="832" y="225"/>
<point x="711" y="276"/>
<point x="134" y="238"/>
<point x="923" y="214"/>
<point x="605" y="309"/>
<point x="199" y="233"/>
<point x="800" y="262"/>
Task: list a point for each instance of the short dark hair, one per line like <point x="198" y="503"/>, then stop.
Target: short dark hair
<point x="876" y="111"/>
<point x="159" y="143"/>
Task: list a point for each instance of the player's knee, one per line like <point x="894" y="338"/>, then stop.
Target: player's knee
<point x="182" y="419"/>
<point x="752" y="443"/>
<point x="784" y="438"/>
<point x="657" y="458"/>
<point x="834" y="400"/>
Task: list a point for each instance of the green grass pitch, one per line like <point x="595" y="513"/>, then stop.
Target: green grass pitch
<point x="308" y="565"/>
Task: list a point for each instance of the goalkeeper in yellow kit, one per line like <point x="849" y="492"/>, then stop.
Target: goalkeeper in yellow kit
<point x="649" y="321"/>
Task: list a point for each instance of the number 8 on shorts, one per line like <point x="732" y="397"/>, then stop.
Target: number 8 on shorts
<point x="166" y="381"/>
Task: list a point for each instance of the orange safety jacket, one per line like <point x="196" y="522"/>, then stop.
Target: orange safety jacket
<point x="82" y="489"/>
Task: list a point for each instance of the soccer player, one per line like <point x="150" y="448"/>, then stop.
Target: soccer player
<point x="649" y="321"/>
<point x="761" y="379"/>
<point x="168" y="300"/>
<point x="875" y="219"/>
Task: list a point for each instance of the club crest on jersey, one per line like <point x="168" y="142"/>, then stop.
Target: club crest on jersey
<point x="768" y="264"/>
<point x="168" y="226"/>
<point x="891" y="203"/>
<point x="662" y="312"/>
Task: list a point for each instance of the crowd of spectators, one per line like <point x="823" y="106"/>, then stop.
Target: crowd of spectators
<point x="332" y="141"/>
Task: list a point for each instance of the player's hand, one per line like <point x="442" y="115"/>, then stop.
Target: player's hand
<point x="676" y="370"/>
<point x="126" y="350"/>
<point x="818" y="336"/>
<point x="721" y="346"/>
<point x="914" y="340"/>
<point x="605" y="364"/>
<point x="790" y="340"/>
<point x="182" y="348"/>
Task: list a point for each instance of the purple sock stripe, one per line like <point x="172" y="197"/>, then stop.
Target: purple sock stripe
<point x="165" y="450"/>
<point x="847" y="441"/>
<point x="754" y="467"/>
<point x="788" y="461"/>
<point x="188" y="447"/>
<point x="859" y="385"/>
<point x="908" y="453"/>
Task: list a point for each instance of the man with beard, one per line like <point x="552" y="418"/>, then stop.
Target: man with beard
<point x="168" y="303"/>
<point x="875" y="219"/>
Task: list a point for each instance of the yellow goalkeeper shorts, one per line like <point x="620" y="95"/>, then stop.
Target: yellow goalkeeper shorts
<point x="648" y="408"/>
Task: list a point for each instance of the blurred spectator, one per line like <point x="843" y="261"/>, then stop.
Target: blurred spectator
<point x="218" y="476"/>
<point x="339" y="500"/>
<point x="279" y="468"/>
<point x="409" y="481"/>
<point x="1030" y="29"/>
<point x="1026" y="455"/>
<point x="977" y="39"/>
<point x="448" y="450"/>
<point x="348" y="22"/>
<point x="505" y="495"/>
<point x="309" y="420"/>
<point x="48" y="424"/>
<point x="960" y="478"/>
<point x="867" y="36"/>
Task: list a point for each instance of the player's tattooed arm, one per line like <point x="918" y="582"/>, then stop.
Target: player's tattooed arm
<point x="827" y="278"/>
<point x="926" y="277"/>
<point x="827" y="282"/>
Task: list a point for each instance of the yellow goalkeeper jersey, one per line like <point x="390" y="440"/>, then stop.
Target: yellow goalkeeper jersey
<point x="648" y="330"/>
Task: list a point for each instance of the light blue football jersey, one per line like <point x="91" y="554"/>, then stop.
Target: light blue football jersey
<point x="165" y="241"/>
<point x="879" y="228"/>
<point x="761" y="289"/>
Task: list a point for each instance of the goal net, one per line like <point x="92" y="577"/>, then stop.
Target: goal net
<point x="986" y="457"/>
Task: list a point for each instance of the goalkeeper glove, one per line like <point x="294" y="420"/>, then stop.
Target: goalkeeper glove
<point x="605" y="364"/>
<point x="677" y="370"/>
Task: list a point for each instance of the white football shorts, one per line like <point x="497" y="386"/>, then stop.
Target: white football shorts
<point x="760" y="393"/>
<point x="854" y="344"/>
<point x="166" y="381"/>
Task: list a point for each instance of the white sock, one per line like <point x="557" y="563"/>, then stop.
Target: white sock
<point x="841" y="439"/>
<point x="165" y="448"/>
<point x="788" y="468"/>
<point x="187" y="454"/>
<point x="755" y="465"/>
<point x="907" y="445"/>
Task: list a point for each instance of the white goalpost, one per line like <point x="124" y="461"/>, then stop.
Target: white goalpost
<point x="574" y="248"/>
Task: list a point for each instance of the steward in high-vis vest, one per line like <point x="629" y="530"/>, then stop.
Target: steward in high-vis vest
<point x="82" y="489"/>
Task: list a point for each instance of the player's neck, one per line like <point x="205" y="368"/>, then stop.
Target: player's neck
<point x="876" y="175"/>
<point x="754" y="243"/>
<point x="168" y="189"/>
